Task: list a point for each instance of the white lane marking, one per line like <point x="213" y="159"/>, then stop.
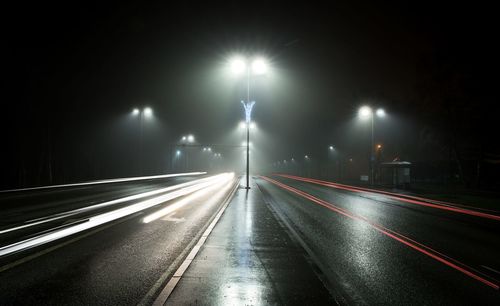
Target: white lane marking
<point x="173" y="219"/>
<point x="167" y="290"/>
<point x="105" y="218"/>
<point x="100" y="205"/>
<point x="118" y="180"/>
<point x="189" y="199"/>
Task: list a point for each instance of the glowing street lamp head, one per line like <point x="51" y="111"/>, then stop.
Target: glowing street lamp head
<point x="237" y="65"/>
<point x="190" y="138"/>
<point x="243" y="125"/>
<point x="184" y="138"/>
<point x="148" y="112"/>
<point x="259" y="66"/>
<point x="331" y="148"/>
<point x="178" y="153"/>
<point x="380" y="112"/>
<point x="135" y="111"/>
<point x="365" y="112"/>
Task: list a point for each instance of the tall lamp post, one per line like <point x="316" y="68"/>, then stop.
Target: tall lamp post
<point x="329" y="166"/>
<point x="146" y="112"/>
<point x="366" y="112"/>
<point x="257" y="67"/>
<point x="185" y="141"/>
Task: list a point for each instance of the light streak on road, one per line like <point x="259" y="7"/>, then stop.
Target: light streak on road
<point x="119" y="180"/>
<point x="404" y="198"/>
<point x="110" y="216"/>
<point x="189" y="199"/>
<point x="66" y="214"/>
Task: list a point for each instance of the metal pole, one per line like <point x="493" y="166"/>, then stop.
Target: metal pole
<point x="248" y="131"/>
<point x="141" y="157"/>
<point x="372" y="155"/>
<point x="248" y="155"/>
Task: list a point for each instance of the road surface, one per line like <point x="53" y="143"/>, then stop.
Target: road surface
<point x="119" y="245"/>
<point x="381" y="250"/>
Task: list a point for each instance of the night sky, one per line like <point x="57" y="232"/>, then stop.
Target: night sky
<point x="75" y="71"/>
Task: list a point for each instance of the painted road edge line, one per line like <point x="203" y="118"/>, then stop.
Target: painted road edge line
<point x="170" y="286"/>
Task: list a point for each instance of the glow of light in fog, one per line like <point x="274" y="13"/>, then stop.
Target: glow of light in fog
<point x="237" y="65"/>
<point x="380" y="112"/>
<point x="365" y="112"/>
<point x="148" y="112"/>
<point x="135" y="111"/>
<point x="260" y="66"/>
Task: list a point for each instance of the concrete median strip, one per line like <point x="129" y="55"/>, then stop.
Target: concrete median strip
<point x="172" y="283"/>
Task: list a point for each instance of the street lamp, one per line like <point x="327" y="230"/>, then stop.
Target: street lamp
<point x="257" y="66"/>
<point x="187" y="139"/>
<point x="146" y="112"/>
<point x="331" y="151"/>
<point x="366" y="112"/>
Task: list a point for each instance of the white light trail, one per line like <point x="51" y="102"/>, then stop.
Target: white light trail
<point x="119" y="180"/>
<point x="108" y="216"/>
<point x="189" y="199"/>
<point x="66" y="214"/>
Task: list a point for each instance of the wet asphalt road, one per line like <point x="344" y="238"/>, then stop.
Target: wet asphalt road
<point x="368" y="260"/>
<point x="120" y="263"/>
<point x="373" y="268"/>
